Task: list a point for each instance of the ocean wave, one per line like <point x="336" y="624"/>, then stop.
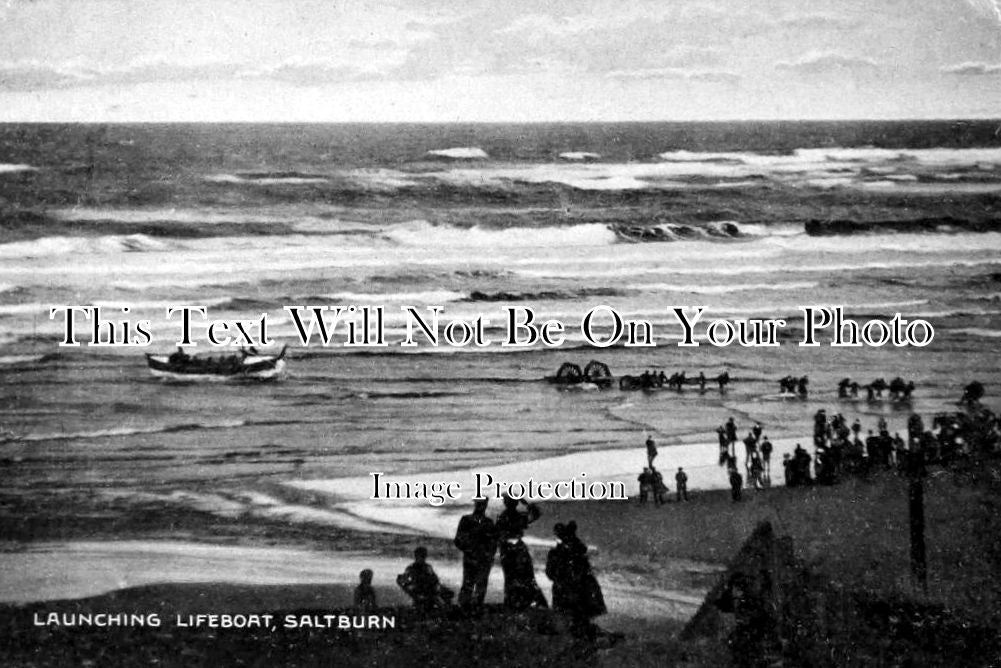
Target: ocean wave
<point x="691" y="156"/>
<point x="268" y="178"/>
<point x="13" y="360"/>
<point x="130" y="431"/>
<point x="460" y="153"/>
<point x="620" y="272"/>
<point x="431" y="297"/>
<point x="698" y="288"/>
<point x="980" y="332"/>
<point x="427" y="235"/>
<point x="59" y="245"/>
<point x="580" y="155"/>
<point x="927" y="156"/>
<point x="9" y="168"/>
<point x="134" y="306"/>
<point x="771" y="230"/>
<point x="542" y="295"/>
<point x="199" y="216"/>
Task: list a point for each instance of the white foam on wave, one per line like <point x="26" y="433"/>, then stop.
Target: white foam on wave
<point x="129" y="431"/>
<point x="207" y="216"/>
<point x="265" y="180"/>
<point x="926" y="156"/>
<point x="772" y="230"/>
<point x="9" y="168"/>
<point x="19" y="359"/>
<point x="693" y="156"/>
<point x="436" y="236"/>
<point x="747" y="269"/>
<point x="460" y="153"/>
<point x="103" y="245"/>
<point x="381" y="179"/>
<point x="579" y="155"/>
<point x="980" y="331"/>
<point x="429" y="297"/>
<point x="723" y="289"/>
<point x="134" y="306"/>
<point x="830" y="182"/>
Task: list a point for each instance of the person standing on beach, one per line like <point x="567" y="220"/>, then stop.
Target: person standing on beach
<point x="659" y="488"/>
<point x="365" y="592"/>
<point x="681" y="482"/>
<point x="521" y="591"/>
<point x="750" y="449"/>
<point x="766" y="456"/>
<point x="731" y="433"/>
<point x="756" y="470"/>
<point x="736" y="483"/>
<point x="476" y="537"/>
<point x="651" y="451"/>
<point x="646" y="483"/>
<point x="576" y="592"/>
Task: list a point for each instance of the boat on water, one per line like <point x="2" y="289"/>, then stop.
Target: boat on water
<point x="247" y="365"/>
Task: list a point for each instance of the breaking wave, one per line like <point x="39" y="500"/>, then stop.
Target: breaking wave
<point x="8" y="168"/>
<point x="980" y="332"/>
<point x="49" y="246"/>
<point x="268" y="178"/>
<point x="460" y="153"/>
<point x="723" y="289"/>
<point x="132" y="431"/>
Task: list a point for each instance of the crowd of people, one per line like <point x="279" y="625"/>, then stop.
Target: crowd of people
<point x="576" y="592"/>
<point x="651" y="379"/>
<point x="839" y="449"/>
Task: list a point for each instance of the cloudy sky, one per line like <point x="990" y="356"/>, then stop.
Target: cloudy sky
<point x="497" y="60"/>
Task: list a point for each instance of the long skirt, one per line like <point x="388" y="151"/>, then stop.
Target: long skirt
<point x="520" y="588"/>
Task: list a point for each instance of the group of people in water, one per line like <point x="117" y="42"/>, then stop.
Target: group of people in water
<point x="576" y="592"/>
<point x="794" y="385"/>
<point x="899" y="389"/>
<point x="652" y="380"/>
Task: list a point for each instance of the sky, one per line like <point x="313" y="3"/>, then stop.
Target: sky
<point x="497" y="60"/>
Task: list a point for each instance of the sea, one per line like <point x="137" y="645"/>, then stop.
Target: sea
<point x="751" y="220"/>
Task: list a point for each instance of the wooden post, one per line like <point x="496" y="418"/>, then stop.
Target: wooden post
<point x="916" y="505"/>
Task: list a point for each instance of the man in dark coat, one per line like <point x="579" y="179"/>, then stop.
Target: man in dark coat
<point x="476" y="537"/>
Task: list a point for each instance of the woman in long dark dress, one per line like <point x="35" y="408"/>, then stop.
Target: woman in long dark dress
<point x="520" y="588"/>
<point x="576" y="591"/>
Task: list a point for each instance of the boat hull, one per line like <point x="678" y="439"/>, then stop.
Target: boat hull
<point x="258" y="367"/>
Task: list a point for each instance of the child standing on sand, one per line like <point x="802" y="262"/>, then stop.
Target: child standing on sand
<point x="365" y="592"/>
